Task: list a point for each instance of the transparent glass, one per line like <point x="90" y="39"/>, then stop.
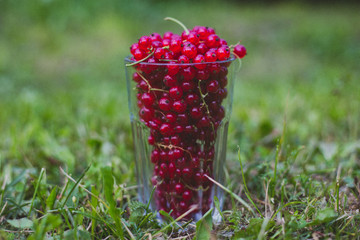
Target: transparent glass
<point x="179" y="116"/>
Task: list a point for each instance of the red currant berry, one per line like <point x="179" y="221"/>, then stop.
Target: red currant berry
<point x="196" y="113"/>
<point x="183" y="59"/>
<point x="198" y="60"/>
<point x="212" y="86"/>
<point x="168" y="35"/>
<point x="159" y="53"/>
<point x="187" y="195"/>
<point x="210" y="56"/>
<point x="179" y="188"/>
<point x="212" y="41"/>
<point x="171" y="118"/>
<point x="165" y="104"/>
<point x="175" y="45"/>
<point x="165" y="129"/>
<point x="239" y="50"/>
<point x="203" y="32"/>
<point x="202" y="48"/>
<point x="223" y="53"/>
<point x="188" y="86"/>
<point x="176" y="93"/>
<point x="138" y="54"/>
<point x="155" y="37"/>
<point x="172" y="68"/>
<point x="189" y="50"/>
<point x="133" y="47"/>
<point x="193" y="38"/>
<point x="179" y="106"/>
<point x="146" y="114"/>
<point x="169" y="81"/>
<point x="144" y="43"/>
<point x="147" y="99"/>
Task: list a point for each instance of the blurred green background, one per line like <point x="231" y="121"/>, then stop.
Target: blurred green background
<point x="63" y="98"/>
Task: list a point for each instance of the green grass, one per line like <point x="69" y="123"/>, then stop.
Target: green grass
<point x="63" y="105"/>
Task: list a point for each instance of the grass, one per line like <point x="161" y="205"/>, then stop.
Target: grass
<point x="66" y="160"/>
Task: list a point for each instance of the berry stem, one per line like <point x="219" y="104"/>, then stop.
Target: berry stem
<point x="178" y="22"/>
<point x="141" y="60"/>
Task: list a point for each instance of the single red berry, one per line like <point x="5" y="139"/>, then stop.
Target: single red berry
<point x="186" y="173"/>
<point x="203" y="74"/>
<point x="184" y="35"/>
<point x="169" y="81"/>
<point x="189" y="50"/>
<point x="175" y="45"/>
<point x="212" y="41"/>
<point x="166" y="42"/>
<point x="223" y="53"/>
<point x="188" y="86"/>
<point x="165" y="104"/>
<point x="223" y="42"/>
<point x="179" y="106"/>
<point x="187" y="195"/>
<point x="165" y="129"/>
<point x="171" y="118"/>
<point x="179" y="188"/>
<point x="202" y="48"/>
<point x="211" y="30"/>
<point x="155" y="37"/>
<point x="133" y="47"/>
<point x="193" y="38"/>
<point x="192" y="99"/>
<point x="183" y="59"/>
<point x="155" y="156"/>
<point x="210" y="56"/>
<point x="168" y="35"/>
<point x="146" y="114"/>
<point x="144" y="43"/>
<point x="196" y="113"/>
<point x="156" y="44"/>
<point x="212" y="86"/>
<point x="188" y="73"/>
<point x="182" y="119"/>
<point x="199" y="59"/>
<point x="172" y="68"/>
<point x="151" y="140"/>
<point x="159" y="53"/>
<point x="176" y="93"/>
<point x="136" y="77"/>
<point x="138" y="54"/>
<point x="240" y="51"/>
<point x="203" y="32"/>
<point x="148" y="99"/>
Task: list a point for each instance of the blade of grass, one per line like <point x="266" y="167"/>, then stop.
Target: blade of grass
<point x="83" y="187"/>
<point x="238" y="198"/>
<point x="36" y="190"/>
<point x="75" y="185"/>
<point x="288" y="204"/>
<point x="247" y="192"/>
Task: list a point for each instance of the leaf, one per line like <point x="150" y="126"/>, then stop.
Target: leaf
<point x="326" y="215"/>
<point x="21" y="223"/>
<point x="204" y="226"/>
<point x="108" y="192"/>
<point x="50" y="201"/>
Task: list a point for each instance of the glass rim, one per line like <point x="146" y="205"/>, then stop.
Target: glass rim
<point x="167" y="63"/>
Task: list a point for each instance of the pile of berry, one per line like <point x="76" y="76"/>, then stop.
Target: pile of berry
<point x="181" y="84"/>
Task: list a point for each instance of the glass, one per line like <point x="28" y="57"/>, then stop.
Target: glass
<point x="179" y="116"/>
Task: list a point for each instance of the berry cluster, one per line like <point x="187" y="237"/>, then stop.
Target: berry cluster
<point x="181" y="84"/>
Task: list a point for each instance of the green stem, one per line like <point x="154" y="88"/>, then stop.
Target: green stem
<point x="178" y="22"/>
